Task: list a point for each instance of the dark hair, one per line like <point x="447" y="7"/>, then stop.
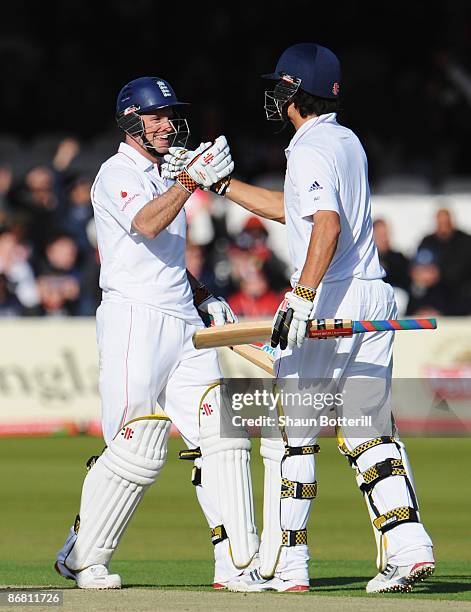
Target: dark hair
<point x="307" y="104"/>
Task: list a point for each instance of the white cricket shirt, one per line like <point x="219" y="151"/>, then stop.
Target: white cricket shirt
<point x="134" y="268"/>
<point x="327" y="169"/>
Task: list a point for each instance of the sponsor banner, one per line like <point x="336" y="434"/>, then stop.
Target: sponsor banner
<point x="49" y="377"/>
<point x="48" y="374"/>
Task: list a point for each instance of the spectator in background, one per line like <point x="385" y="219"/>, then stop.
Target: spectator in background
<point x="452" y="251"/>
<point x="15" y="267"/>
<point x="9" y="303"/>
<point x="251" y="243"/>
<point x="78" y="211"/>
<point x="59" y="278"/>
<point x="255" y="297"/>
<point x="395" y="264"/>
<point x="6" y="180"/>
<point x="428" y="296"/>
<point x="38" y="201"/>
<point x="197" y="265"/>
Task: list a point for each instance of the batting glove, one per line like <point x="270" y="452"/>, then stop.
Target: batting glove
<point x="177" y="158"/>
<point x="293" y="315"/>
<point x="219" y="311"/>
<point x="207" y="168"/>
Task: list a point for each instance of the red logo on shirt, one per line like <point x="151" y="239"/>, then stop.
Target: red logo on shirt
<point x="335" y="89"/>
<point x="124" y="194"/>
<point x="129" y="200"/>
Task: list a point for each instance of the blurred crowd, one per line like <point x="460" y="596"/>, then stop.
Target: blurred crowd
<point x="437" y="279"/>
<point x="49" y="262"/>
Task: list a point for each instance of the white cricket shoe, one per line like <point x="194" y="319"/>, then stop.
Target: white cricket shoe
<point x="93" y="577"/>
<point x="399" y="578"/>
<point x="252" y="582"/>
<point x="97" y="577"/>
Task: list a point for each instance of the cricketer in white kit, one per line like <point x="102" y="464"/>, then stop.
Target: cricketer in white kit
<point x="337" y="274"/>
<point x="145" y="325"/>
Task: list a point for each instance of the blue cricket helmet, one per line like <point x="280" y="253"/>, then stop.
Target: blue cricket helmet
<point x="146" y="94"/>
<point x="317" y="68"/>
<point x="307" y="66"/>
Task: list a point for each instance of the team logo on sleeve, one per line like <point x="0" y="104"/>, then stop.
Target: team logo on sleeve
<point x="315" y="186"/>
<point x="124" y="195"/>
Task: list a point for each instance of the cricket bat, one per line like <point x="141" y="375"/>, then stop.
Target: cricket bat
<point x="250" y="332"/>
<point x="256" y="355"/>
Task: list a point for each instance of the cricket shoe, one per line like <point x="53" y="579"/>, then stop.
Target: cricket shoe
<point x="252" y="582"/>
<point x="219" y="586"/>
<point x="93" y="577"/>
<point x="399" y="578"/>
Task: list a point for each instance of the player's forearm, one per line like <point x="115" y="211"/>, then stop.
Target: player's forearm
<point x="157" y="214"/>
<point x="321" y="250"/>
<point x="263" y="202"/>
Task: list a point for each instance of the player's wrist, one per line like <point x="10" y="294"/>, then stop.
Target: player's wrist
<point x="200" y="295"/>
<point x="222" y="187"/>
<point x="305" y="292"/>
<point x="187" y="182"/>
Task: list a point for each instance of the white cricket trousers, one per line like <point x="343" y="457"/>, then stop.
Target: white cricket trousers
<point x="148" y="358"/>
<point x="363" y="356"/>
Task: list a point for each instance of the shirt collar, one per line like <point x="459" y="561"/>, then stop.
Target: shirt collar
<point x="309" y="125"/>
<point x="141" y="162"/>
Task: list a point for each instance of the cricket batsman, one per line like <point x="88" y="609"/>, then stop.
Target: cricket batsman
<point x="326" y="208"/>
<point x="149" y="311"/>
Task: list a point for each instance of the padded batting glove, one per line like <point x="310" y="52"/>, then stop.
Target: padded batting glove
<point x="219" y="311"/>
<point x="177" y="158"/>
<point x="291" y="320"/>
<point x="207" y="168"/>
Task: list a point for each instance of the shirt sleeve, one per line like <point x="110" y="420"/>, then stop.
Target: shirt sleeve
<point x="315" y="180"/>
<point x="121" y="192"/>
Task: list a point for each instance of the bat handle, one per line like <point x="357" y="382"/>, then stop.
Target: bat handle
<point x="330" y="328"/>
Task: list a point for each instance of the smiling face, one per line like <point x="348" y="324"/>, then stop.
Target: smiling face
<point x="158" y="128"/>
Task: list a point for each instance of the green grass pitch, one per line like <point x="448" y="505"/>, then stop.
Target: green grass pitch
<point x="167" y="544"/>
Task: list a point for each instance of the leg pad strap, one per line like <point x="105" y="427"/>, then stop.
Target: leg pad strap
<point x="353" y="455"/>
<point x="383" y="469"/>
<point x="190" y="454"/>
<point x="389" y="520"/>
<point x="292" y="537"/>
<point x="218" y="534"/>
<point x="291" y="451"/>
<point x="298" y="490"/>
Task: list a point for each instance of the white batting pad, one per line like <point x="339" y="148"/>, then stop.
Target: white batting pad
<point x="272" y="452"/>
<point x="226" y="476"/>
<point x="114" y="487"/>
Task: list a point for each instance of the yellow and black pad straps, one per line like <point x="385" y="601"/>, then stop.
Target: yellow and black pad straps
<point x="353" y="455"/>
<point x="298" y="490"/>
<point x="292" y="451"/>
<point x="383" y="469"/>
<point x="218" y="534"/>
<point x="294" y="537"/>
<point x="389" y="520"/>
